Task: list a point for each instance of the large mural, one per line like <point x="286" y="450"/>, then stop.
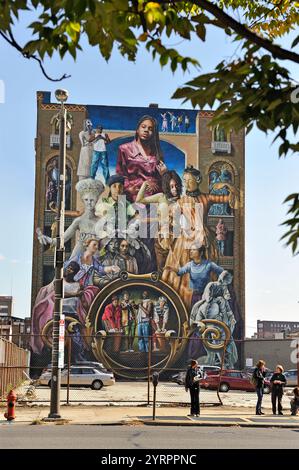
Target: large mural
<point x="145" y="273"/>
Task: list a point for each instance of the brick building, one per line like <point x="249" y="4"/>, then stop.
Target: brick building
<point x="194" y="140"/>
<point x="269" y="329"/>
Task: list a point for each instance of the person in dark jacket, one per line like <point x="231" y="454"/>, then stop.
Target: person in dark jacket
<point x="193" y="377"/>
<point x="295" y="401"/>
<point x="278" y="381"/>
<point x="259" y="378"/>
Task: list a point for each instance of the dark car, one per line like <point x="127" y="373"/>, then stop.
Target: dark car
<point x="232" y="380"/>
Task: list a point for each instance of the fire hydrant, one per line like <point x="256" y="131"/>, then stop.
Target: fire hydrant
<point x="11" y="406"/>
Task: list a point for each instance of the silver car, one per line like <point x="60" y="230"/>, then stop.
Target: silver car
<point x="291" y="376"/>
<point x="81" y="376"/>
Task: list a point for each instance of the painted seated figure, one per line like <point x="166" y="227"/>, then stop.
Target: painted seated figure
<point x="215" y="306"/>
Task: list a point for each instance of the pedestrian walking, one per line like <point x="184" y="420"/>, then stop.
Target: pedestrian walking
<point x="258" y="378"/>
<point x="192" y="384"/>
<point x="278" y="382"/>
<point x="295" y="401"/>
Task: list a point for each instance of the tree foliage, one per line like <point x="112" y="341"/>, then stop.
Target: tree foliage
<point x="252" y="88"/>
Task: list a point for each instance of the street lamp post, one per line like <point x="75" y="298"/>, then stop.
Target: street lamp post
<point x="61" y="96"/>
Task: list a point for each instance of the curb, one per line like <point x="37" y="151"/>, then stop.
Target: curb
<point x="220" y="424"/>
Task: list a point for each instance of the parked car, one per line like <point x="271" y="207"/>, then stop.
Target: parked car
<point x="180" y="377"/>
<point x="291" y="376"/>
<point x="81" y="376"/>
<point x="96" y="365"/>
<point x="232" y="380"/>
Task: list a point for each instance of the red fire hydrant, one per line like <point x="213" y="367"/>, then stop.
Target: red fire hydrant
<point x="11" y="406"/>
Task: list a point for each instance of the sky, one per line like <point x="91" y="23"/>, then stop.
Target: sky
<point x="271" y="270"/>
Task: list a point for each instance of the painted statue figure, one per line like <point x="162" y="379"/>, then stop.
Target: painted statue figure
<point x="85" y="137"/>
<point x="221" y="235"/>
<point x="215" y="305"/>
<point x="89" y="191"/>
<point x="164" y="122"/>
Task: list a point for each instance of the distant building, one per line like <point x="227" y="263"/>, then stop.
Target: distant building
<point x="5" y="305"/>
<point x="268" y="329"/>
<point x="16" y="330"/>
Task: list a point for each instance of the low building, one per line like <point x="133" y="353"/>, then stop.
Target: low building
<point x="6" y="304"/>
<point x="16" y="330"/>
<point x="269" y="329"/>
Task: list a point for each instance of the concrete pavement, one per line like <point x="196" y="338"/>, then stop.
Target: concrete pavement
<point x="142" y="415"/>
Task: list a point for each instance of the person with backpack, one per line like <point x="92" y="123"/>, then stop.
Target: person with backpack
<point x="278" y="381"/>
<point x="258" y="379"/>
<point x="193" y="377"/>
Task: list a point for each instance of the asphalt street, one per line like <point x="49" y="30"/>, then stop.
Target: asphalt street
<point x="144" y="437"/>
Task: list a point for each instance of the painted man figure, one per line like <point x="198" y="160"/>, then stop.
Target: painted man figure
<point x="112" y="315"/>
<point x="123" y="259"/>
<point x="100" y="155"/>
<point x="143" y="319"/>
<point x="128" y="320"/>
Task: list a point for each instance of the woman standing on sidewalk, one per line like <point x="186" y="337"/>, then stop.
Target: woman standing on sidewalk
<point x="193" y="377"/>
<point x="278" y="381"/>
<point x="259" y="379"/>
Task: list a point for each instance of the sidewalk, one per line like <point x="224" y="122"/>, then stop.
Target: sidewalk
<point x="165" y="416"/>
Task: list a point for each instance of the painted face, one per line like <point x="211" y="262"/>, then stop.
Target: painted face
<point x="126" y="297"/>
<point x="92" y="247"/>
<point x="89" y="200"/>
<point x="144" y="295"/>
<point x="69" y="273"/>
<point x="111" y="246"/>
<point x="88" y="125"/>
<point x="174" y="188"/>
<point x="162" y="304"/>
<point x="193" y="253"/>
<point x="115" y="302"/>
<point x="145" y="130"/>
<point x="116" y="189"/>
<point x="124" y="247"/>
<point x="190" y="182"/>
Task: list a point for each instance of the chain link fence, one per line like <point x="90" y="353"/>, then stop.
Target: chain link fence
<point x="91" y="361"/>
<point x="14" y="366"/>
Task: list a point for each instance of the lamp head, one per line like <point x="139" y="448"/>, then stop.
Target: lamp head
<point x="61" y="95"/>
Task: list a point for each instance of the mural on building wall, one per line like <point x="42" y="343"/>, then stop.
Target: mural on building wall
<point x="145" y="262"/>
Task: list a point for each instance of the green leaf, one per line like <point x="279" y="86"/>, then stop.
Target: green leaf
<point x="201" y="31"/>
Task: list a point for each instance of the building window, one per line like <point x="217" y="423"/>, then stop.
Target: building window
<point x="220" y="140"/>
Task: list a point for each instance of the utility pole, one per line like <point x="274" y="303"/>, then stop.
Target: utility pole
<point x="61" y="96"/>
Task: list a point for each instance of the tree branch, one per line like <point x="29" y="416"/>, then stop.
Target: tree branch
<point x="12" y="42"/>
<point x="241" y="29"/>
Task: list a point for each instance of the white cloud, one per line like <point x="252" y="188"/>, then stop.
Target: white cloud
<point x="15" y="261"/>
<point x="2" y="257"/>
